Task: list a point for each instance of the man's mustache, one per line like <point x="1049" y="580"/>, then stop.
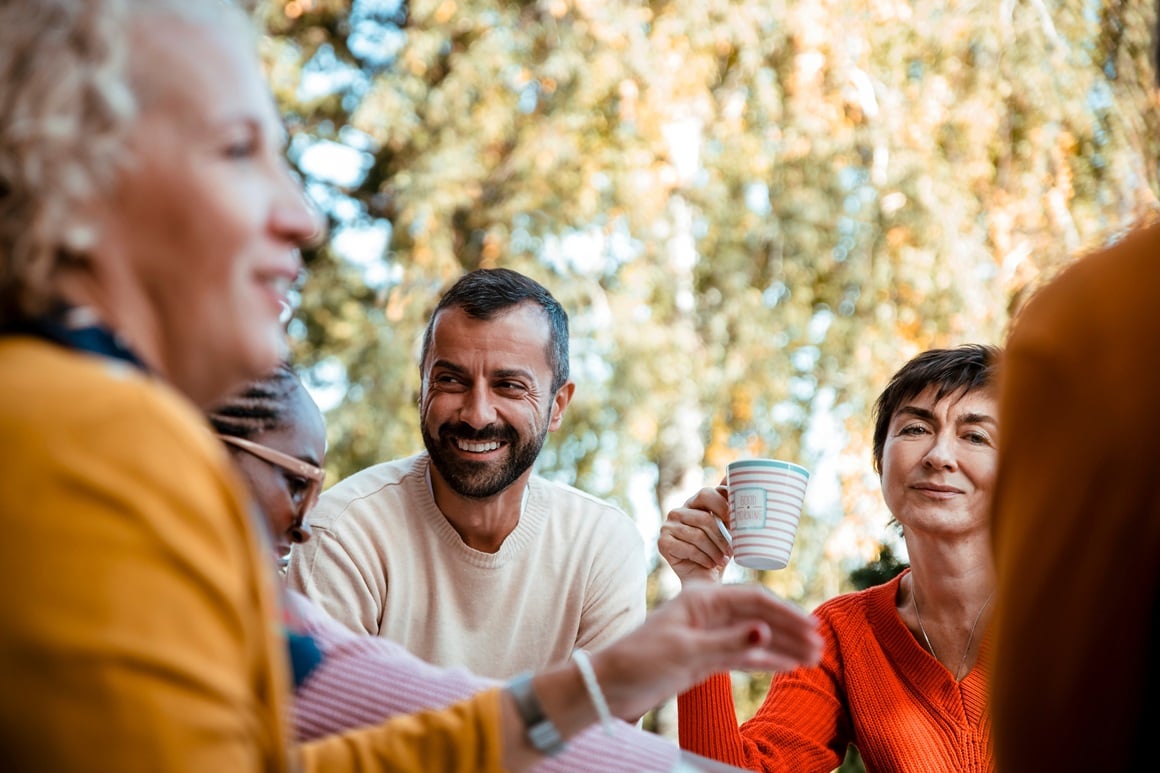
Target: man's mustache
<point x="463" y="431"/>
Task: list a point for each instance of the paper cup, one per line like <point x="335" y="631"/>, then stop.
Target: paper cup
<point x="765" y="504"/>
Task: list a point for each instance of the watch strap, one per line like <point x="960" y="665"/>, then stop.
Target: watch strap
<point x="540" y="731"/>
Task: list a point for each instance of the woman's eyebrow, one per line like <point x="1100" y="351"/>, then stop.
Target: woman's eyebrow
<point x="915" y="411"/>
<point x="978" y="418"/>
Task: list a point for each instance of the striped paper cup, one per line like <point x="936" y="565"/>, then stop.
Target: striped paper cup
<point x="765" y="503"/>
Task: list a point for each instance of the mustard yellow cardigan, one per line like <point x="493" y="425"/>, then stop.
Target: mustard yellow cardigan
<point x="140" y="628"/>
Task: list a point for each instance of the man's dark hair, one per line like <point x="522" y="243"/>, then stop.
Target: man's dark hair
<point x="966" y="367"/>
<point x="488" y="292"/>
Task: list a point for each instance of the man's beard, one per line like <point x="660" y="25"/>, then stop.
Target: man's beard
<point x="481" y="480"/>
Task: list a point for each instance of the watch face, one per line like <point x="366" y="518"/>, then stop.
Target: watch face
<point x="546" y="738"/>
<point x="541" y="733"/>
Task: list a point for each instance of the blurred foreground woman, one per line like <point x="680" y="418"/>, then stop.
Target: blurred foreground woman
<point x="1076" y="520"/>
<point x="148" y="236"/>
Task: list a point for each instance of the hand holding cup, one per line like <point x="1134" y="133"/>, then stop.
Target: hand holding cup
<point x="692" y="537"/>
<point x="752" y="517"/>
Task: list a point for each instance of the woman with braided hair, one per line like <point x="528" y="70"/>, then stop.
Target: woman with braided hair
<point x="273" y="426"/>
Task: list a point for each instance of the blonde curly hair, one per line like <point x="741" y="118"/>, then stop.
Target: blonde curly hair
<point x="66" y="105"/>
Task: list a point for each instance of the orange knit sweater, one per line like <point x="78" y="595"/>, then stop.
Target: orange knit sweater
<point x="876" y="688"/>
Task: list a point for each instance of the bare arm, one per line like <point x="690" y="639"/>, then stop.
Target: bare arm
<point x="704" y="630"/>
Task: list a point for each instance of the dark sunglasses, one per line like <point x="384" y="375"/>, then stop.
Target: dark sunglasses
<point x="310" y="475"/>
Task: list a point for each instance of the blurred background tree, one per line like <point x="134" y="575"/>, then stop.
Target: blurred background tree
<point x="754" y="211"/>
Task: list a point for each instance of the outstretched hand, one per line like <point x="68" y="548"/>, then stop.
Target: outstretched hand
<point x="704" y="630"/>
<point x="691" y="537"/>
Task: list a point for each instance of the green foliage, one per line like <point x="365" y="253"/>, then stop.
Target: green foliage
<point x="882" y="569"/>
<point x="853" y="762"/>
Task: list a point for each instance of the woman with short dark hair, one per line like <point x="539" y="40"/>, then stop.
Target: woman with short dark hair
<point x="904" y="675"/>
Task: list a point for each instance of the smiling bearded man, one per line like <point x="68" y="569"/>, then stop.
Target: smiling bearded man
<point x="462" y="554"/>
<point x="480" y="463"/>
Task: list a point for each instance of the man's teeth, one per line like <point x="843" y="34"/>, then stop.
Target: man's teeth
<point x="477" y="448"/>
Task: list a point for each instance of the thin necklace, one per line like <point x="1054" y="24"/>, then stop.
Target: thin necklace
<point x="970" y="638"/>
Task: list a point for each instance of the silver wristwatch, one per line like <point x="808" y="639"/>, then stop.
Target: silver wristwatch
<point x="541" y="733"/>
